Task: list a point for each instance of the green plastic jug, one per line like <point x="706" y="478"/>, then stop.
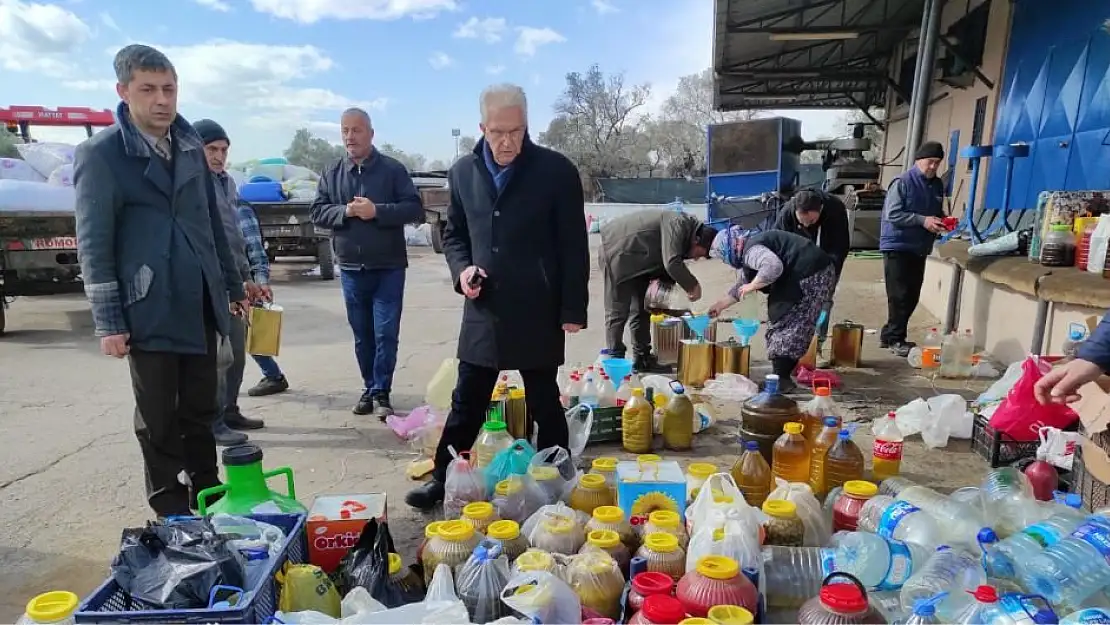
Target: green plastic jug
<point x="245" y="490"/>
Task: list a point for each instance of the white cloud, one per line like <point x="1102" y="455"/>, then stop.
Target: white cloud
<point x="489" y="29"/>
<point x="311" y="11"/>
<point x="105" y="86"/>
<point x="39" y="37"/>
<point x="494" y="70"/>
<point x="440" y="60"/>
<point x="107" y="19"/>
<point x="529" y="39"/>
<point x="604" y="7"/>
<point x="215" y="5"/>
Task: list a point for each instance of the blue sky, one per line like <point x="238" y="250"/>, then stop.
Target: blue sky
<point x="264" y="68"/>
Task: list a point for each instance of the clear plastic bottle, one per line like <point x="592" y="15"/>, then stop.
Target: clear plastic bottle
<point x="572" y="392"/>
<point x="843" y="462"/>
<point x="1008" y="557"/>
<point x="792" y="575"/>
<point x="967" y="354"/>
<point x="886" y="452"/>
<point x="591" y="392"/>
<point x="602" y="355"/>
<point x="984" y="609"/>
<point x="956" y="572"/>
<point x="959" y="522"/>
<point x="678" y="420"/>
<point x="625" y="391"/>
<point x="894" y="485"/>
<point x="878" y="563"/>
<point x="899" y="520"/>
<point x="790" y="455"/>
<point x="56" y="607"/>
<point x="925" y="612"/>
<point x="1075" y="568"/>
<point x="819" y="447"/>
<point x="637" y="425"/>
<point x="1008" y="501"/>
<point x="501" y="389"/>
<point x="493" y="438"/>
<point x="752" y="475"/>
<point x="817" y="410"/>
<point x="950" y="352"/>
<point x="931" y="350"/>
<point x="607" y="393"/>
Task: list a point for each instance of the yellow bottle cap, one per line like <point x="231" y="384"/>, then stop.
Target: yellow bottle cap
<point x="604" y="464"/>
<point x="701" y="469"/>
<point x="507" y="487"/>
<point x="695" y="620"/>
<point x="456" y="531"/>
<point x="52" y="606"/>
<point x="861" y="488"/>
<point x="793" y="428"/>
<point x="394" y="563"/>
<point x="608" y="514"/>
<point x="503" y="530"/>
<point x="535" y="560"/>
<point x="592" y="481"/>
<point x="660" y="401"/>
<point x="718" y="534"/>
<point x="657" y="318"/>
<point x="730" y="615"/>
<point x="780" y="509"/>
<point x="649" y="458"/>
<point x="637" y="392"/>
<point x="661" y="542"/>
<point x="605" y="539"/>
<point x="432" y="529"/>
<point x="516" y="393"/>
<point x="664" y="518"/>
<point x="559" y="524"/>
<point x="478" y="510"/>
<point x="718" y="567"/>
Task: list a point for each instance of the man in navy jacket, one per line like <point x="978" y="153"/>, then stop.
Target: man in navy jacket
<point x="1092" y="362"/>
<point x="365" y="199"/>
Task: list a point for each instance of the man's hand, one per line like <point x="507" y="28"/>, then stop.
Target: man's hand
<point x="115" y="345"/>
<point x="361" y="208"/>
<point x="694" y="294"/>
<point x="720" y="305"/>
<point x="935" y="225"/>
<point x="467" y="276"/>
<point x="240" y="308"/>
<point x="1059" y="385"/>
<point x="266" y="292"/>
<point x="254" y="291"/>
<point x="571" y="328"/>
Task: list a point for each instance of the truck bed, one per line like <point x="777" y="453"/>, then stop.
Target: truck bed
<point x="19" y="224"/>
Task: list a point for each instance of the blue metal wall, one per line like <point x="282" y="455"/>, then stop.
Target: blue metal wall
<point x="1056" y="98"/>
<point x="754" y="183"/>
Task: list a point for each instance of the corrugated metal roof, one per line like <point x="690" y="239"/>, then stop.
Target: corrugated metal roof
<point x="842" y="64"/>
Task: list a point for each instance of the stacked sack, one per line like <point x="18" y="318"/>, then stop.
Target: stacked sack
<point x="41" y="181"/>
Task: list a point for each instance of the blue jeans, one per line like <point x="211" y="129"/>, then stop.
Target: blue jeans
<point x="269" y="367"/>
<point x="374" y="298"/>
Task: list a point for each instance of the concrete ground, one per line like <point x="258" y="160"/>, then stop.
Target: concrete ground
<point x="72" y="480"/>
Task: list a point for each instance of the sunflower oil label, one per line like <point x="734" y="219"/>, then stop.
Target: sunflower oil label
<point x="893" y="515"/>
<point x="900" y="567"/>
<point x="1097" y="536"/>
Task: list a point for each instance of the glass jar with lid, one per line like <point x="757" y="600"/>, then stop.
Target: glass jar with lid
<point x="667" y="522"/>
<point x="598" y="582"/>
<point x="479" y="514"/>
<point x="783" y="527"/>
<point x="716" y="580"/>
<point x="452" y="544"/>
<point x="1058" y="246"/>
<point x="591" y="492"/>
<point x="508" y="534"/>
<point x="663" y="554"/>
<point x="608" y="541"/>
<point x="612" y="518"/>
<point x="558" y="534"/>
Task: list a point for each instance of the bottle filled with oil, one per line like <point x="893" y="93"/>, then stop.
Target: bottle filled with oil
<point x="790" y="455"/>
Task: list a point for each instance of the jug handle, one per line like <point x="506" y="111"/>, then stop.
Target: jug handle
<point x="206" y="494"/>
<point x="821" y="381"/>
<point x="288" y="473"/>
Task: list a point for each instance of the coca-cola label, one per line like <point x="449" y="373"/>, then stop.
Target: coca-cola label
<point x="887" y="450"/>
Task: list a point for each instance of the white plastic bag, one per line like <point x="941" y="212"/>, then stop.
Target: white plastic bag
<point x="554" y="512"/>
<point x="464" y="484"/>
<point x="62" y="176"/>
<point x="912" y="417"/>
<point x="296" y="172"/>
<point x="719" y="494"/>
<point x="1001" y="387"/>
<point x="418" y="236"/>
<point x="542" y="597"/>
<point x="559" y="459"/>
<point x="729" y="533"/>
<point x="817" y="531"/>
<point x="1100" y="243"/>
<point x="517" y="497"/>
<point x="580" y="419"/>
<point x="1057" y="446"/>
<point x="46" y="157"/>
<point x="730" y="387"/>
<point x="18" y="169"/>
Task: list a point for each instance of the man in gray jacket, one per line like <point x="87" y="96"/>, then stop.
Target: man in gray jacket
<point x="158" y="273"/>
<point x="228" y="416"/>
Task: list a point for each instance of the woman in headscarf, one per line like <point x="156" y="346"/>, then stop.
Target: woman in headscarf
<point x="797" y="277"/>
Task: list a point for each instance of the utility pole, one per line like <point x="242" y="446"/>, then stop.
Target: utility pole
<point x="455" y="134"/>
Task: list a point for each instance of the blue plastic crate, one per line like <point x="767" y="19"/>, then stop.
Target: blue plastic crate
<point x="110" y="604"/>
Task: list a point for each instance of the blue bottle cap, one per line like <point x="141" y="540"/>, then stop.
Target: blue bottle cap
<point x="844" y="434"/>
<point x="1073" y="500"/>
<point x="751" y="446"/>
<point x="987" y="536"/>
<point x="830" y="421"/>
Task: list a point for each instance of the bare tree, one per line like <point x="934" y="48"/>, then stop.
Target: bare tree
<point x="692" y="103"/>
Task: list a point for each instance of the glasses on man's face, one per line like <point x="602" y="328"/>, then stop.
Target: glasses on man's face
<point x="497" y="136"/>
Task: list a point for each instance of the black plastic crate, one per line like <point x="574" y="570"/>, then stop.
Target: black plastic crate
<point x="606" y="427"/>
<point x="997" y="448"/>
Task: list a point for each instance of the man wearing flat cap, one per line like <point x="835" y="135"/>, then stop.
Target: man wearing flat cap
<point x="913" y="216"/>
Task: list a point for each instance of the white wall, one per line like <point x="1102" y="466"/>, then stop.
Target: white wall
<point x="607" y="210"/>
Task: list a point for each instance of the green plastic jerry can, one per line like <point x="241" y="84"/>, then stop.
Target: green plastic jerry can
<point x="245" y="490"/>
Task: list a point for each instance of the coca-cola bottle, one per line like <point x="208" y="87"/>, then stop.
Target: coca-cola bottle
<point x="886" y="452"/>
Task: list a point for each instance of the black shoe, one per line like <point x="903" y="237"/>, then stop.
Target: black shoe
<point x="269" y="386"/>
<point x="884" y="344"/>
<point x="382" y="406"/>
<point x="226" y="437"/>
<point x="426" y="496"/>
<point x="902" y="349"/>
<point x="365" y="404"/>
<point x="236" y="421"/>
<point x="648" y="363"/>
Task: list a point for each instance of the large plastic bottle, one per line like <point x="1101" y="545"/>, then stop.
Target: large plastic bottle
<point x="959" y="522"/>
<point x="816" y="410"/>
<point x="1075" y="568"/>
<point x="678" y="420"/>
<point x="792" y="575"/>
<point x="950" y="355"/>
<point x="1007" y="558"/>
<point x="931" y="350"/>
<point x="790" y="455"/>
<point x="886" y="452"/>
<point x="967" y="354"/>
<point x="843" y="461"/>
<point x="879" y="563"/>
<point x="984" y="609"/>
<point x="956" y="572"/>
<point x="1008" y="501"/>
<point x="56" y="607"/>
<point x="636" y="423"/>
<point x="493" y="437"/>
<point x="752" y="475"/>
<point x="819" y="447"/>
<point x="899" y="520"/>
<point x="624" y="391"/>
<point x="607" y="393"/>
<point x="591" y="393"/>
<point x="925" y="612"/>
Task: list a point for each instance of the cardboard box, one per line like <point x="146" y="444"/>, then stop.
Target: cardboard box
<point x="645" y="487"/>
<point x="1093" y="409"/>
<point x="335" y="522"/>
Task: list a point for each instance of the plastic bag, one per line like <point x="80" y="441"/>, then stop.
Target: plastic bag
<point x="464" y="484"/>
<point x="911" y="418"/>
<point x="817" y="530"/>
<point x="1001" y="387"/>
<point x="730" y="387"/>
<point x="62" y="176"/>
<point x="480" y="581"/>
<point x="542" y="597"/>
<point x="174" y="566"/>
<point x="439" y="389"/>
<point x="1100" y="245"/>
<point x="1020" y="416"/>
<point x="366" y="565"/>
<point x="409" y="426"/>
<point x="555" y="511"/>
<point x="306" y="587"/>
<point x="245" y="533"/>
<point x="22" y="195"/>
<point x="1057" y="446"/>
<point x="947" y="416"/>
<point x="580" y="420"/>
<point x="18" y="169"/>
<point x="731" y="533"/>
<point x="513" y="460"/>
<point x="719" y="494"/>
<point x="517" y="497"/>
<point x="557" y="459"/>
<point x="45" y="157"/>
<point x="442" y="586"/>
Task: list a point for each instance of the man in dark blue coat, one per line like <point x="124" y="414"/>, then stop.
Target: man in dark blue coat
<point x="518" y="251"/>
<point x="913" y="216"/>
<point x="158" y="272"/>
<point x="366" y="198"/>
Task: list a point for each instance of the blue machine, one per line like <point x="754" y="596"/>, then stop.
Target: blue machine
<point x="747" y="159"/>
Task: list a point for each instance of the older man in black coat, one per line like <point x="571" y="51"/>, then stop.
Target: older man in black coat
<point x="517" y="248"/>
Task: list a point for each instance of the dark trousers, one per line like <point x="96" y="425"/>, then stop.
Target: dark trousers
<point x="230" y="378"/>
<point x="624" y="306"/>
<point x="904" y="273"/>
<point x="471" y="399"/>
<point x="374" y="299"/>
<point x="175" y="406"/>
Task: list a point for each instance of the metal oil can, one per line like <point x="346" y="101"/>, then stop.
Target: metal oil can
<point x="731" y="357"/>
<point x="695" y="362"/>
<point x="847" y="344"/>
<point x="667" y="334"/>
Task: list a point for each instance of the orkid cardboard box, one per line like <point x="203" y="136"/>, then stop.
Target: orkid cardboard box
<point x="335" y="522"/>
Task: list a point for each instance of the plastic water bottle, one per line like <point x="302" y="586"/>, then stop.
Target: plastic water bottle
<point x="878" y="563"/>
<point x="602" y="356"/>
<point x="624" y="391"/>
<point x="1086" y="616"/>
<point x="590" y="394"/>
<point x="793" y="575"/>
<point x="607" y="393"/>
<point x="967" y="354"/>
<point x="1009" y="503"/>
<point x="894" y="485"/>
<point x="1074" y="568"/>
<point x="958" y="522"/>
<point x="1008" y="557"/>
<point x="953" y="571"/>
<point x="984" y="609"/>
<point x="925" y="611"/>
<point x="899" y="520"/>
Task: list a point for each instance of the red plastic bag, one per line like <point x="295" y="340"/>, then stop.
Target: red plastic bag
<point x="1020" y="416"/>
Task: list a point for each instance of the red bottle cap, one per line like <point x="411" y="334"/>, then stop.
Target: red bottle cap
<point x="652" y="583"/>
<point x="985" y="594"/>
<point x="663" y="610"/>
<point x="843" y="598"/>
